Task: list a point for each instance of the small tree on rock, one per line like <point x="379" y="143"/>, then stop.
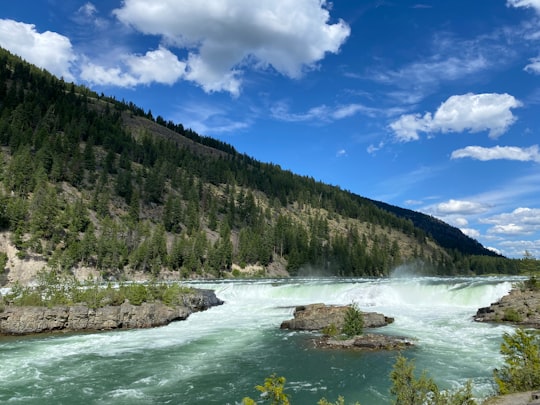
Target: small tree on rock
<point x="354" y="322"/>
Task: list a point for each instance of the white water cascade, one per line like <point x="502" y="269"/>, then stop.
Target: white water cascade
<point x="218" y="356"/>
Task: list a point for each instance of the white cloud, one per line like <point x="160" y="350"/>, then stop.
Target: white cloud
<point x="159" y="66"/>
<point x="460" y="221"/>
<point x="414" y="202"/>
<point x="208" y="119"/>
<point x="520" y="221"/>
<point x="407" y="126"/>
<point x="493" y="249"/>
<point x="534" y="66"/>
<point x="224" y="37"/>
<point x="498" y="152"/>
<point x="48" y="50"/>
<point x="468" y="112"/>
<point x="321" y="113"/>
<point x="459" y="207"/>
<point x="517" y="248"/>
<point x="341" y="153"/>
<point x="88" y="14"/>
<point x="473" y="233"/>
<point x="525" y="3"/>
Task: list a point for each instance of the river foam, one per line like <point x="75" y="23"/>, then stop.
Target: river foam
<point x="217" y="356"/>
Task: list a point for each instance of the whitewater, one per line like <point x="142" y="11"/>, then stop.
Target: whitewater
<point x="218" y="356"/>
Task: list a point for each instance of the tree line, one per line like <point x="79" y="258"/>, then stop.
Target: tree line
<point x="79" y="187"/>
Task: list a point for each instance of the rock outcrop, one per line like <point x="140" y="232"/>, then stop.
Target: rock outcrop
<point x="320" y="316"/>
<point x="317" y="317"/>
<point x="16" y="320"/>
<point x="519" y="307"/>
<point x="366" y="341"/>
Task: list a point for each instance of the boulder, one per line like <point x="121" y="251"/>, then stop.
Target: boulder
<point x="316" y="317"/>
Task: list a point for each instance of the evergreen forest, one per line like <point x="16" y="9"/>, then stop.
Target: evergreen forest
<point x="90" y="181"/>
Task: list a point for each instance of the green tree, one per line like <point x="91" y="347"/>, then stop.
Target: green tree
<point x="353" y="324"/>
<point x="521" y="370"/>
<point x="410" y="390"/>
<point x="273" y="391"/>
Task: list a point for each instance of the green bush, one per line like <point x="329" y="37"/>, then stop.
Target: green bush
<point x="511" y="315"/>
<point x="410" y="390"/>
<point x="532" y="283"/>
<point x="330" y="330"/>
<point x="3" y="261"/>
<point x="521" y="370"/>
<point x="354" y="322"/>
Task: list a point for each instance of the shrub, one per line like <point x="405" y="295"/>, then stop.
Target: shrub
<point x="511" y="315"/>
<point x="521" y="370"/>
<point x="3" y="261"/>
<point x="273" y="391"/>
<point x="532" y="284"/>
<point x="354" y="322"/>
<point x="330" y="330"/>
<point x="410" y="390"/>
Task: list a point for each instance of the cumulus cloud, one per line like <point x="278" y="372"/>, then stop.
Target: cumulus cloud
<point x="459" y="207"/>
<point x="225" y="36"/>
<point x="498" y="152"/>
<point x="48" y="50"/>
<point x="521" y="221"/>
<point x="159" y="66"/>
<point x="468" y="112"/>
<point x="525" y="3"/>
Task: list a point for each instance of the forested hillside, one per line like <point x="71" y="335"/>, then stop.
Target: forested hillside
<point x="90" y="181"/>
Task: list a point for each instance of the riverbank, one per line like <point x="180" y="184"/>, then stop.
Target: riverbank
<point x="520" y="307"/>
<point x="25" y="320"/>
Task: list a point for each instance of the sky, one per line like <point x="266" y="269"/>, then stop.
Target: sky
<point x="428" y="105"/>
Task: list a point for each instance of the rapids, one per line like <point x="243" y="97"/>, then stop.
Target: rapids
<point x="218" y="356"/>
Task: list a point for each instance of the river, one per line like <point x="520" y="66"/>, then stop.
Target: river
<point x="218" y="356"/>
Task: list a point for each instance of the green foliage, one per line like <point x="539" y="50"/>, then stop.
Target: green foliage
<point x="511" y="315"/>
<point x="521" y="370"/>
<point x="330" y="330"/>
<point x="78" y="179"/>
<point x="3" y="261"/>
<point x="273" y="392"/>
<point x="411" y="390"/>
<point x="57" y="289"/>
<point x="354" y="322"/>
<point x="340" y="401"/>
<point x="531" y="284"/>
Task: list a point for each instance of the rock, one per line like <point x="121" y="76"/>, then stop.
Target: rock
<point x="519" y="307"/>
<point x="319" y="316"/>
<point x="367" y="341"/>
<point x="30" y="320"/>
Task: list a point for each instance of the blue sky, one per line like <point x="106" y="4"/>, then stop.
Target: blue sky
<point x="428" y="105"/>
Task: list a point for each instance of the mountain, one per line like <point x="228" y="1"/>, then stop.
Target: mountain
<point x="95" y="185"/>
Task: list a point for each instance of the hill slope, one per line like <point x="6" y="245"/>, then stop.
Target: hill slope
<point x="87" y="182"/>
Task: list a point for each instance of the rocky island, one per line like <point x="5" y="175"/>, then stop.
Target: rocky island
<point x="25" y="320"/>
<point x="521" y="306"/>
<point x="321" y="317"/>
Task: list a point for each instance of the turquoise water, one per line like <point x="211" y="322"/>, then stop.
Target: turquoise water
<point x="218" y="356"/>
